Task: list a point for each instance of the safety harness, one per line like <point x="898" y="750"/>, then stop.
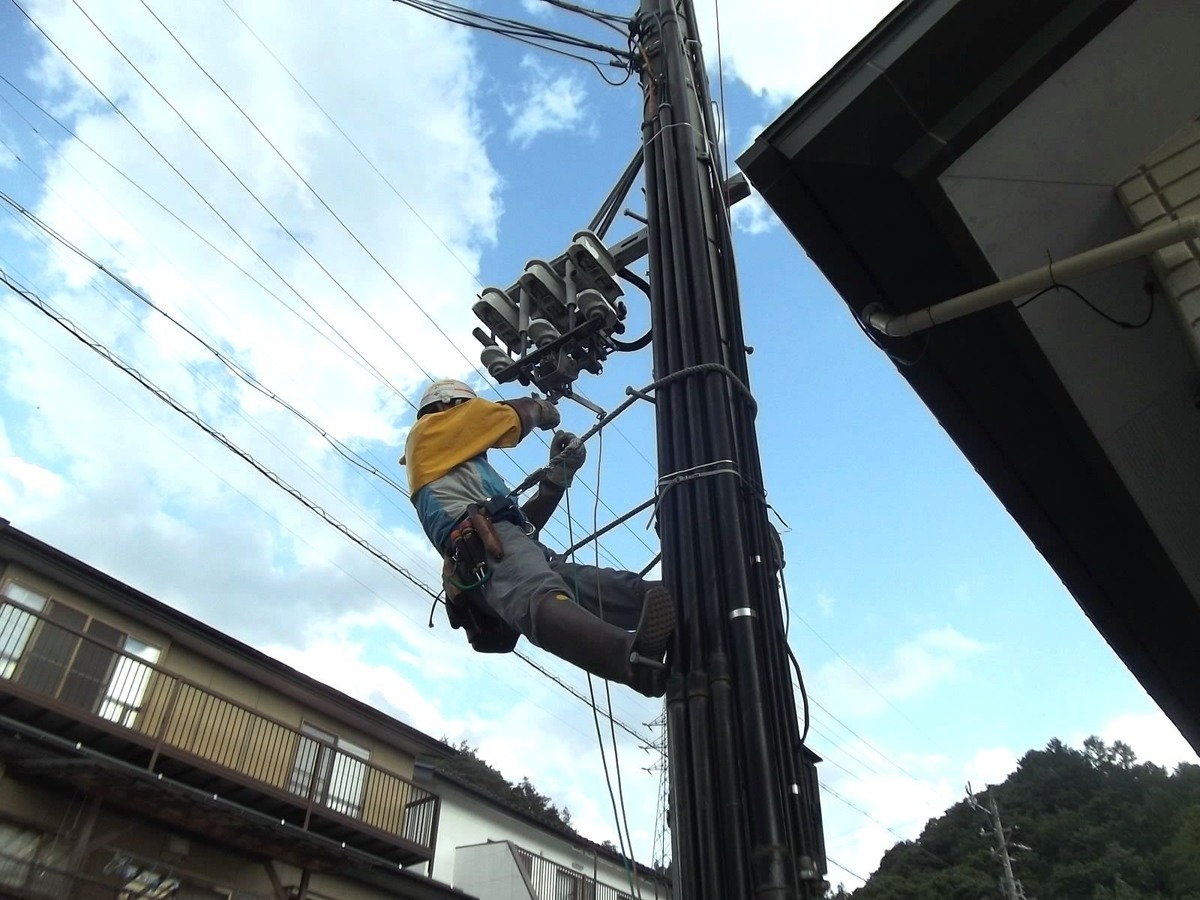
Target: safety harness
<point x="466" y="570"/>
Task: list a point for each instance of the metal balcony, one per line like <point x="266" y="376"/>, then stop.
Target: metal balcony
<point x="501" y="869"/>
<point x="132" y="732"/>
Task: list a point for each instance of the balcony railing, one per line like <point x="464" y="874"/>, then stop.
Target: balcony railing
<point x="176" y="724"/>
<point x="550" y="881"/>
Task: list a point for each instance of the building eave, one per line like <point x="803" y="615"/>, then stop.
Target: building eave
<point x="852" y="170"/>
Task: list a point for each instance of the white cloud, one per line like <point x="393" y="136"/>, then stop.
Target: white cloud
<point x="549" y="103"/>
<point x="779" y="48"/>
<point x="825" y="603"/>
<point x="915" y="667"/>
<point x="990" y="765"/>
<point x="753" y="216"/>
<point x="1153" y="737"/>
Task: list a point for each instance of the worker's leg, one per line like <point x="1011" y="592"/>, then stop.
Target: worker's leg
<point x="520" y="580"/>
<point x="613" y="595"/>
<point x="530" y="595"/>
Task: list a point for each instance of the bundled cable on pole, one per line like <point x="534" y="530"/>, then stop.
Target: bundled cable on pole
<point x="745" y="811"/>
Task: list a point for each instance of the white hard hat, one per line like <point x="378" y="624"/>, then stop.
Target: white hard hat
<point x="444" y="391"/>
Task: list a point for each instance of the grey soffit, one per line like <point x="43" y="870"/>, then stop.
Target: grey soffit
<point x="878" y="173"/>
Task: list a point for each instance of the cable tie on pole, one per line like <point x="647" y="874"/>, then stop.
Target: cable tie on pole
<point x="667" y="482"/>
<point x="703" y="369"/>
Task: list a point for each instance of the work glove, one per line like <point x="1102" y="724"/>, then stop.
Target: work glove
<point x="547" y="414"/>
<point x="567" y="455"/>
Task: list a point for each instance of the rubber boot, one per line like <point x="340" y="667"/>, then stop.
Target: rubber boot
<point x="572" y="633"/>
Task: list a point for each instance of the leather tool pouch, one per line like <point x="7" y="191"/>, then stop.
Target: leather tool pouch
<point x="464" y="574"/>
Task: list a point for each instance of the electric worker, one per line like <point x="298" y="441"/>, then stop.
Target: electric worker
<point x="610" y="623"/>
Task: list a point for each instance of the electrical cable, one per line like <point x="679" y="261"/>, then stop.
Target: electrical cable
<point x="63" y="322"/>
<point x="391" y="186"/>
<point x="607" y="690"/>
<point x="596" y="715"/>
<point x="610" y="19"/>
<point x="320" y="199"/>
<point x="357" y="149"/>
<point x="1132" y="326"/>
<point x="644" y="341"/>
<point x="849" y="872"/>
<point x="204" y="199"/>
<point x="361" y="464"/>
<point x="93" y="345"/>
<point x="307" y="252"/>
<point x="524" y="32"/>
<point x="795" y="663"/>
<point x="831" y="792"/>
<point x="721" y="86"/>
<point x="235" y="368"/>
<point x="202" y="378"/>
<point x="867" y="681"/>
<point x="643" y="740"/>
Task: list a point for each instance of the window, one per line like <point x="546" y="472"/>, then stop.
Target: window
<point x="127" y="686"/>
<point x="50" y="657"/>
<point x="32" y="861"/>
<point x="16" y="624"/>
<point x="330" y="769"/>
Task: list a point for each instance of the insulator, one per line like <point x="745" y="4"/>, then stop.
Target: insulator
<point x="593" y="306"/>
<point x="547" y="291"/>
<point x="595" y="267"/>
<point x="495" y="360"/>
<point x="542" y="332"/>
<point x="498" y="312"/>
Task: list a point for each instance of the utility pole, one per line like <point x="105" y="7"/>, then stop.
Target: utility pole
<point x="745" y="813"/>
<point x="1008" y="884"/>
<point x="744" y="809"/>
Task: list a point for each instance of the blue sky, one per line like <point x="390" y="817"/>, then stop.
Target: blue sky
<point x="937" y="644"/>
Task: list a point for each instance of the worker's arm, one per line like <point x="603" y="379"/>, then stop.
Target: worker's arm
<point x="540" y="507"/>
<point x="567" y="455"/>
<point x="534" y="413"/>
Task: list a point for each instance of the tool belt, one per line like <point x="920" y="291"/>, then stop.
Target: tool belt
<point x="464" y="573"/>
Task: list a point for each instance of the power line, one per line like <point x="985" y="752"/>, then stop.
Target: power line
<point x="865" y="680"/>
<point x="253" y="195"/>
<point x="322" y="201"/>
<point x="526" y="33"/>
<point x="271" y="476"/>
<point x="374" y="168"/>
<point x="235" y="368"/>
<point x="849" y="872"/>
<point x="308" y="185"/>
<point x="204" y="199"/>
<point x="97" y="347"/>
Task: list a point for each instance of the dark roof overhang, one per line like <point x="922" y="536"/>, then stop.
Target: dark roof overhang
<point x="853" y="169"/>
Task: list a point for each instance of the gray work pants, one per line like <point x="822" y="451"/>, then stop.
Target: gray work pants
<point x="529" y="573"/>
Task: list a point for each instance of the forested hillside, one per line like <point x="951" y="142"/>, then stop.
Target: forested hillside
<point x="1099" y="825"/>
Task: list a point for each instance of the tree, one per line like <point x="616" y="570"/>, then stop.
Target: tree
<point x="467" y="766"/>
<point x="1101" y="825"/>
